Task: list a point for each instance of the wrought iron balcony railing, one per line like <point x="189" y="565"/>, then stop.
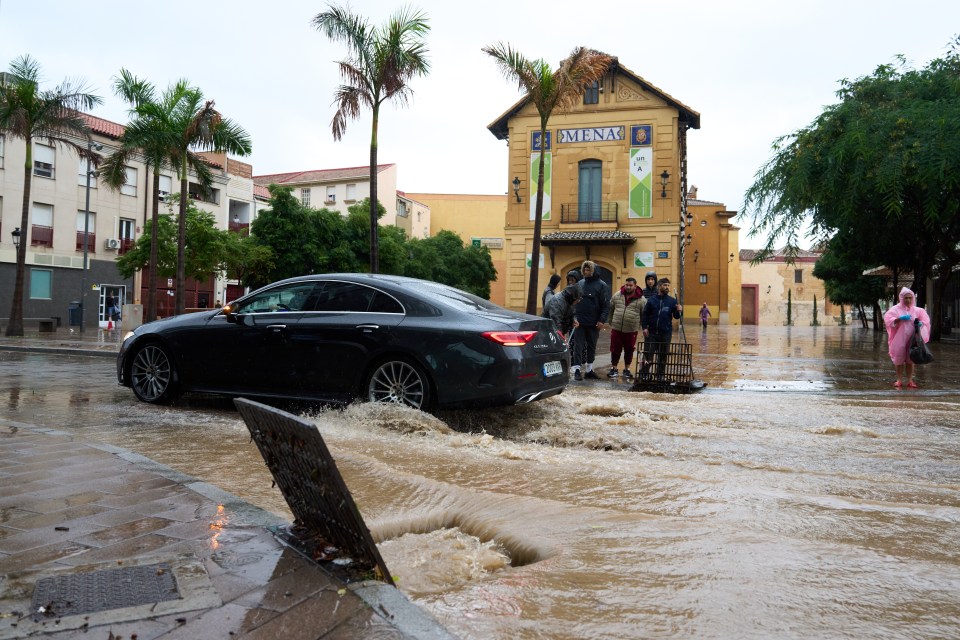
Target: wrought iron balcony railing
<point x="589" y="212"/>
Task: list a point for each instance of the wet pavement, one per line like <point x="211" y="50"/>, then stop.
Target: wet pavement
<point x="74" y="512"/>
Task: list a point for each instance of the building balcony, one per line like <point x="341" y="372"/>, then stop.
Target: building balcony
<point x="126" y="244"/>
<point x="41" y="236"/>
<point x="91" y="241"/>
<point x="593" y="212"/>
<point x="242" y="228"/>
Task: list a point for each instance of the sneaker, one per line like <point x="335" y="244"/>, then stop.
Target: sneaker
<point x="897" y="384"/>
<point x="577" y="375"/>
<point x="592" y="375"/>
<point x="613" y="373"/>
<point x="627" y="375"/>
<point x="912" y="385"/>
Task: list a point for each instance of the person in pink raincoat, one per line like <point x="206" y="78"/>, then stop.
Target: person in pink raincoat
<point x="899" y="320"/>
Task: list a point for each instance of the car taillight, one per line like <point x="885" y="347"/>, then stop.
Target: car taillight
<point x="509" y="338"/>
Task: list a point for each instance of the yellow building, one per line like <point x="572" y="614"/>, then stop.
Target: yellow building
<point x="615" y="192"/>
<point x="477" y="219"/>
<point x="770" y="287"/>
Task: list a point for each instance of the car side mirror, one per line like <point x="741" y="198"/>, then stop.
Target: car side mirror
<point x="229" y="314"/>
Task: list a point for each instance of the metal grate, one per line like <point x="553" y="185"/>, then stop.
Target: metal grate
<point x="82" y="593"/>
<point x="312" y="485"/>
<point x="665" y="367"/>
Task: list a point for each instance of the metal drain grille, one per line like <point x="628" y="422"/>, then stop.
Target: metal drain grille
<point x="82" y="593"/>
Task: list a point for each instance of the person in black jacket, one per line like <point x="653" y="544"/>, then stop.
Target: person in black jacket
<point x="591" y="315"/>
<point x="549" y="292"/>
<point x="657" y="323"/>
<point x="560" y="309"/>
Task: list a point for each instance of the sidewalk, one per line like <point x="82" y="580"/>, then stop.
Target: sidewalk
<point x="114" y="527"/>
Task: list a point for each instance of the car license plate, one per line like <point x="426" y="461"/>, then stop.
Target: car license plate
<point x="552" y="369"/>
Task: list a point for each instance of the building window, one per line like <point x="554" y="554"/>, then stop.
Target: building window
<point x="402" y="209"/>
<point x="86" y="165"/>
<point x="129" y="187"/>
<point x="703" y="278"/>
<point x="351" y="193"/>
<point x="305" y="197"/>
<point x="90" y="226"/>
<point x="331" y="195"/>
<point x="591" y="95"/>
<point x="166" y="187"/>
<point x="199" y="194"/>
<point x="43" y="161"/>
<point x="798" y="276"/>
<point x="41" y="284"/>
<point x="127" y="229"/>
<point x="41" y="225"/>
<point x="589" y="190"/>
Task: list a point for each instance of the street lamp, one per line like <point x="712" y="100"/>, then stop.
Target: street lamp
<point x="91" y="146"/>
<point x="664" y="178"/>
<point x="696" y="255"/>
<point x="516" y="187"/>
<point x="15" y="234"/>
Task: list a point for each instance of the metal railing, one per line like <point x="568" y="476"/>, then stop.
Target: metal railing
<point x="589" y="212"/>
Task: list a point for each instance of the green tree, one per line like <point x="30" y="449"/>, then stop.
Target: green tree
<point x="841" y="268"/>
<point x="209" y="247"/>
<point x="882" y="165"/>
<point x="444" y="258"/>
<point x="52" y="116"/>
<point x="550" y="91"/>
<point x="172" y="130"/>
<point x="380" y="65"/>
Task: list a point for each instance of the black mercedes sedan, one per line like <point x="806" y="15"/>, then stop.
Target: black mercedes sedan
<point x="339" y="337"/>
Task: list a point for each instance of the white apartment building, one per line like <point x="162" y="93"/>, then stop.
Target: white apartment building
<point x="339" y="189"/>
<point x="59" y="220"/>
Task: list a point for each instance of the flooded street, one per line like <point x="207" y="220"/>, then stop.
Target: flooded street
<point x="798" y="496"/>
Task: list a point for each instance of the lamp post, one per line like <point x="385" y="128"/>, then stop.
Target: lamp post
<point x="516" y="187"/>
<point x="91" y="145"/>
<point x="664" y="179"/>
<point x="15" y="235"/>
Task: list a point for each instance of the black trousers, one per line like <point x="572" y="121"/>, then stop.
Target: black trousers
<point x="655" y="348"/>
<point x="585" y="345"/>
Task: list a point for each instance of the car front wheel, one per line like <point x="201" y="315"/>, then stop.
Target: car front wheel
<point x="399" y="382"/>
<point x="152" y="375"/>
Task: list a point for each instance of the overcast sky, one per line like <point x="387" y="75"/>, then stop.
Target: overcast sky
<point x="753" y="69"/>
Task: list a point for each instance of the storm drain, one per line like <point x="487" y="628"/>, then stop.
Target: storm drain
<point x="83" y="593"/>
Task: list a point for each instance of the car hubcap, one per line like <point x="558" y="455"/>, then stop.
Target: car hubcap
<point x="150" y="372"/>
<point x="397" y="382"/>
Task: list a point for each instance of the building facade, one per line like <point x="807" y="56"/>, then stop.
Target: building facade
<point x="615" y="192"/>
<point x="780" y="291"/>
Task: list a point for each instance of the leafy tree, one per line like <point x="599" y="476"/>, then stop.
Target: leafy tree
<point x="841" y="268"/>
<point x="549" y="91"/>
<point x="882" y="165"/>
<point x="170" y="130"/>
<point x="444" y="258"/>
<point x="209" y="247"/>
<point x="381" y="63"/>
<point x="52" y="116"/>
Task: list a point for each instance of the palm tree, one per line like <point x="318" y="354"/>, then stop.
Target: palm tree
<point x="382" y="62"/>
<point x="169" y="130"/>
<point x="549" y="91"/>
<point x="29" y="113"/>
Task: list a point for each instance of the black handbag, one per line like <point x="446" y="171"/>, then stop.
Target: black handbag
<point x="919" y="351"/>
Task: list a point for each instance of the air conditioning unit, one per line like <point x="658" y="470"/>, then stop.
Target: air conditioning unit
<point x="112" y="243"/>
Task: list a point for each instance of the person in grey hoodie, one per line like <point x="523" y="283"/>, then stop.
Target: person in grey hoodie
<point x="549" y="292"/>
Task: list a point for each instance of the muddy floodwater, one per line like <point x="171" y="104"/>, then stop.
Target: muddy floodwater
<point x="799" y="496"/>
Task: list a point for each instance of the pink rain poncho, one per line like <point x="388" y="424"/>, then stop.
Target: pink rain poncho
<point x="900" y="333"/>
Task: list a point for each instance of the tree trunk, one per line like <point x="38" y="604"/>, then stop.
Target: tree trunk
<point x="179" y="305"/>
<point x="152" y="280"/>
<point x="15" y="324"/>
<point x="374" y="219"/>
<point x="534" y="284"/>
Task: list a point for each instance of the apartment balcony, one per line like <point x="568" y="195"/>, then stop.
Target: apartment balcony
<point x="604" y="213"/>
<point x="91" y="242"/>
<point x="242" y="228"/>
<point x="41" y="236"/>
<point x="126" y="244"/>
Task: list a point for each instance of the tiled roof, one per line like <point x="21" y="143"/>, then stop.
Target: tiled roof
<point x="780" y="255"/>
<point x="259" y="191"/>
<point x="103" y="127"/>
<point x="701" y="203"/>
<point x="318" y="175"/>
<point x="588" y="237"/>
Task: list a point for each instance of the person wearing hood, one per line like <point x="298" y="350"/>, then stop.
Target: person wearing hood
<point x="626" y="307"/>
<point x="649" y="285"/>
<point x="560" y="309"/>
<point x="573" y="277"/>
<point x="591" y="315"/>
<point x="900" y="321"/>
<point x="657" y="323"/>
<point x="549" y="292"/>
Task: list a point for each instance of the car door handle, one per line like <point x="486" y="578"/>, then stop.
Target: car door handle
<point x="277" y="328"/>
<point x="367" y="328"/>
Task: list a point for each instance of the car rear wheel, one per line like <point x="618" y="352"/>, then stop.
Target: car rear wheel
<point x="152" y="375"/>
<point x="399" y="382"/>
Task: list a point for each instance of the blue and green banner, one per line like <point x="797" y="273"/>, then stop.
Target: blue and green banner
<point x="641" y="182"/>
<point x="534" y="173"/>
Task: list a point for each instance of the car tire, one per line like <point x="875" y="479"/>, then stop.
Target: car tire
<point x="399" y="381"/>
<point x="153" y="376"/>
